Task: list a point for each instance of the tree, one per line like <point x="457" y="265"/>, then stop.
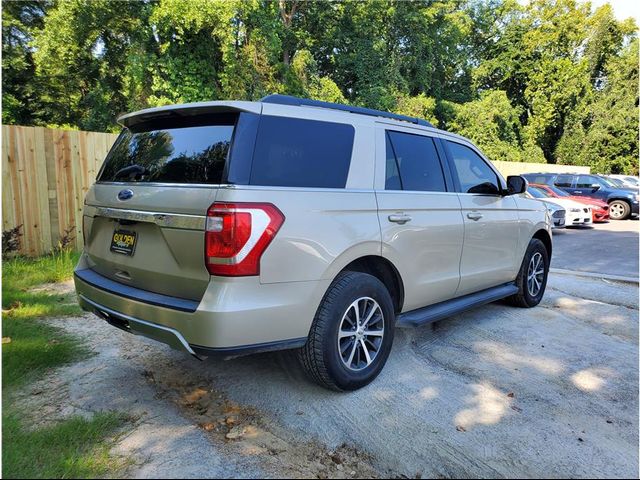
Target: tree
<point x="603" y="132"/>
<point x="494" y="125"/>
<point x="81" y="57"/>
<point x="20" y="86"/>
<point x="527" y="80"/>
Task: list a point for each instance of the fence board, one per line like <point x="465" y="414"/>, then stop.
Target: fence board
<point x="46" y="174"/>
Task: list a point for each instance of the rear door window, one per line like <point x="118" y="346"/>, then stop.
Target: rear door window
<point x="193" y="151"/>
<point x="413" y="163"/>
<point x="294" y="152"/>
<point x="586" y="181"/>
<point x="564" y="181"/>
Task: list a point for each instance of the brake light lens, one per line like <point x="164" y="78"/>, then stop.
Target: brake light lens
<point x="236" y="236"/>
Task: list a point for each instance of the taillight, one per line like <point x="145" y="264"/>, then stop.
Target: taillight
<point x="236" y="236"/>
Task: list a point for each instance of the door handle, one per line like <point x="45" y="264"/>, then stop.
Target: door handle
<point x="399" y="218"/>
<point x="474" y="216"/>
<point x="578" y="191"/>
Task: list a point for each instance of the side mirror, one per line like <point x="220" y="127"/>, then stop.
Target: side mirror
<point x="486" y="188"/>
<point x="516" y="184"/>
<point x="595" y="187"/>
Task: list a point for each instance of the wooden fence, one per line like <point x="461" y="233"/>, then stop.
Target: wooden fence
<point x="45" y="176"/>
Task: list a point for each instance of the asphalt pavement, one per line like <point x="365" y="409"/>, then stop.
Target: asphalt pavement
<point x="606" y="248"/>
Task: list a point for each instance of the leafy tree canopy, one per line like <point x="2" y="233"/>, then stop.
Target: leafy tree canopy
<point x="545" y="80"/>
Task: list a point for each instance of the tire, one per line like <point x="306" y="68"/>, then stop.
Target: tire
<point x="526" y="298"/>
<point x="619" y="210"/>
<point x="321" y="358"/>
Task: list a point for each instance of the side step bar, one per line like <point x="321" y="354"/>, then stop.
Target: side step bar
<point x="441" y="310"/>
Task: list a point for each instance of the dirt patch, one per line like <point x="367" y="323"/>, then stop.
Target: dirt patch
<point x="61" y="288"/>
<point x="247" y="431"/>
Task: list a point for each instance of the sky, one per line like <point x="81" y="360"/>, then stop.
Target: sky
<point x="622" y="9"/>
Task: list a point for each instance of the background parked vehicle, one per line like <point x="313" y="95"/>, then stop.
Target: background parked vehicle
<point x="599" y="209"/>
<point x="577" y="214"/>
<point x="628" y="181"/>
<point x="556" y="212"/>
<point x="623" y="202"/>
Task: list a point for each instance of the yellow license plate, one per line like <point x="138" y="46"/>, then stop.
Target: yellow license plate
<point x="123" y="242"/>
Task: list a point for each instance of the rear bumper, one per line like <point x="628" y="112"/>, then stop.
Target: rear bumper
<point x="634" y="207"/>
<point x="236" y="316"/>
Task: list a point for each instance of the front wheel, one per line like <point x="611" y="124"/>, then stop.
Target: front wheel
<point x="532" y="277"/>
<point x="352" y="333"/>
<point x="619" y="210"/>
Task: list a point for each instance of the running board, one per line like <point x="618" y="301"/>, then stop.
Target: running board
<point x="441" y="310"/>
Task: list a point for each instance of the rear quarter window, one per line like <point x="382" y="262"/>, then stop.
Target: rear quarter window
<point x="293" y="152"/>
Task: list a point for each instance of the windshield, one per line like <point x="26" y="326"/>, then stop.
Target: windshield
<point x="536" y="192"/>
<point x="616" y="182"/>
<point x="189" y="154"/>
<point x="610" y="182"/>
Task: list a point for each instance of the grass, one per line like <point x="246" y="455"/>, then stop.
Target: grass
<point x="72" y="448"/>
<point x="35" y="346"/>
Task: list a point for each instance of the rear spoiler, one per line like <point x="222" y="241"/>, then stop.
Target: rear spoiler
<point x="188" y="109"/>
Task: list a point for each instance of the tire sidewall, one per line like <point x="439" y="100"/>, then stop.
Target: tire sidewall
<point x="535" y="246"/>
<point x="366" y="286"/>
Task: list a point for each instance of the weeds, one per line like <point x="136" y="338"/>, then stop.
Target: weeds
<point x="11" y="241"/>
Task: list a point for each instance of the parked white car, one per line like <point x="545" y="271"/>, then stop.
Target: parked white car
<point x="577" y="214"/>
<point x="556" y="212"/>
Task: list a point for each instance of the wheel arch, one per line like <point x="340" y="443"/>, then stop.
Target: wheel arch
<point x="545" y="238"/>
<point x="383" y="270"/>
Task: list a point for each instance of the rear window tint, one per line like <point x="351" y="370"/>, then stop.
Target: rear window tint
<point x="184" y="154"/>
<point x="417" y="161"/>
<point x="564" y="181"/>
<point x="292" y="152"/>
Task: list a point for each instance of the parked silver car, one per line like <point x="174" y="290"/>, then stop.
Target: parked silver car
<point x="238" y="227"/>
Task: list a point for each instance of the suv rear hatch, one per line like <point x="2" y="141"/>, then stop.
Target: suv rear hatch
<point x="145" y="216"/>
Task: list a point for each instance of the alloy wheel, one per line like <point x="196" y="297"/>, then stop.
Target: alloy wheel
<point x="360" y="334"/>
<point x="535" y="274"/>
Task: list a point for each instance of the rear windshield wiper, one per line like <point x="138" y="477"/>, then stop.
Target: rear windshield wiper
<point x="131" y="172"/>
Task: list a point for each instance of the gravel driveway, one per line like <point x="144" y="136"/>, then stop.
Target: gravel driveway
<point x="495" y="392"/>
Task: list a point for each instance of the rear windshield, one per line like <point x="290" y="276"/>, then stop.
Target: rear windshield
<point x="181" y="152"/>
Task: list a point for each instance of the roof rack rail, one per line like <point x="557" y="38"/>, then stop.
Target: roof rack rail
<point x="299" y="102"/>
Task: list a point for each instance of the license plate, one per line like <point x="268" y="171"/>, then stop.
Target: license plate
<point x="123" y="242"/>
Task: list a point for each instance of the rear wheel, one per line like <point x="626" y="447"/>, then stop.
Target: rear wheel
<point x="352" y="333"/>
<point x="532" y="277"/>
<point x="619" y="210"/>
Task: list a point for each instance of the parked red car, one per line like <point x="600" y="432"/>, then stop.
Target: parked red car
<point x="599" y="209"/>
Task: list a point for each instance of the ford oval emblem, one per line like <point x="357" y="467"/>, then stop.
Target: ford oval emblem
<point x="125" y="194"/>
